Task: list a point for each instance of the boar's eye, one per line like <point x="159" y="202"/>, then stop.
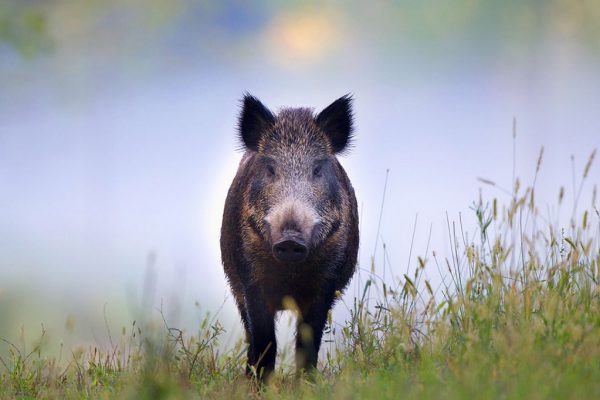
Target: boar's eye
<point x="317" y="171"/>
<point x="270" y="170"/>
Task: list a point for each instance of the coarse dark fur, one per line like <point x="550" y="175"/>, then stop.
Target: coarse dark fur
<point x="290" y="225"/>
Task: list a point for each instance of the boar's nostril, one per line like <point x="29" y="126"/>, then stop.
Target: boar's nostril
<point x="290" y="250"/>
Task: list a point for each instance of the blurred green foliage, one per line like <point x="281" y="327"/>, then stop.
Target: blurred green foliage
<point x="24" y="28"/>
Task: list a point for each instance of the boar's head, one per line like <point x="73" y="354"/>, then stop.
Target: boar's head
<point x="296" y="194"/>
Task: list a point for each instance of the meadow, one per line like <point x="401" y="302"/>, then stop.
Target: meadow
<point x="517" y="315"/>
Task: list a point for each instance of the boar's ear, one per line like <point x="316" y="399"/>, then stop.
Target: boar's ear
<point x="336" y="122"/>
<point x="254" y="119"/>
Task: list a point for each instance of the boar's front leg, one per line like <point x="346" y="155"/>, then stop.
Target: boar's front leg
<point x="310" y="331"/>
<point x="260" y="331"/>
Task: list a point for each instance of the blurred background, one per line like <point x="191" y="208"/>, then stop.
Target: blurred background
<point x="118" y="140"/>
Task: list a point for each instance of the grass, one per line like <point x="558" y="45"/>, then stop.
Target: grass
<point x="517" y="315"/>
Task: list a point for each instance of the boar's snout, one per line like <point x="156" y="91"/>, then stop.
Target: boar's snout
<point x="290" y="249"/>
<point x="291" y="226"/>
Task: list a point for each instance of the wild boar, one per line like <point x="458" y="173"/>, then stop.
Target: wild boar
<point x="290" y="224"/>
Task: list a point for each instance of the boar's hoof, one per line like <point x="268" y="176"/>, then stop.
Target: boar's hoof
<point x="290" y="250"/>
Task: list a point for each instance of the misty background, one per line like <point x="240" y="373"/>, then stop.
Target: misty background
<point x="118" y="137"/>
